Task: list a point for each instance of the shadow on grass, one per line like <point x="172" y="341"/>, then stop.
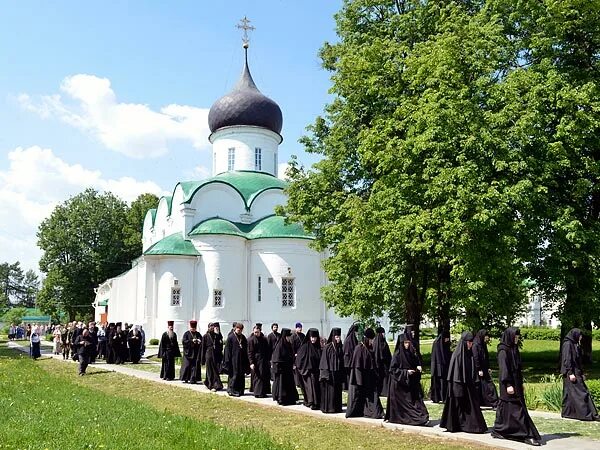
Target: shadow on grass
<point x="555" y="436"/>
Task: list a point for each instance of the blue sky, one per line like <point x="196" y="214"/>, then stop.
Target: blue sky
<point x="114" y="94"/>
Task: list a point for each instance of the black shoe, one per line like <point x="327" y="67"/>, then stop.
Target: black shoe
<point x="533" y="442"/>
<point x="496" y="435"/>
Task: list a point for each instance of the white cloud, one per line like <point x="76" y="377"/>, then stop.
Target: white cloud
<point x="198" y="173"/>
<point x="34" y="183"/>
<point x="133" y="129"/>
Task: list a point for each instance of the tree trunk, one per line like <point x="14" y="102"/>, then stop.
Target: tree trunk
<point x="443" y="299"/>
<point x="575" y="313"/>
<point x="415" y="299"/>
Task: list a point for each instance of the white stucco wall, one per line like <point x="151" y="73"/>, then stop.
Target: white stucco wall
<point x="217" y="199"/>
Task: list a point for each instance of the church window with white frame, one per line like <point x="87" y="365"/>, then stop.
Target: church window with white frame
<point x="257" y="158"/>
<point x="218" y="298"/>
<point x="259" y="292"/>
<point x="175" y="296"/>
<point x="231" y="158"/>
<point x="288" y="298"/>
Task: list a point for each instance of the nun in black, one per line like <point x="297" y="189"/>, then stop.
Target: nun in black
<point x="308" y="359"/>
<point x="331" y="373"/>
<point x="512" y="418"/>
<point x="405" y="398"/>
<point x="282" y="361"/>
<point x="488" y="395"/>
<point x="577" y="402"/>
<point x="363" y="400"/>
<point x="461" y="409"/>
<point x="383" y="358"/>
<point x="350" y="343"/>
<point x="440" y="360"/>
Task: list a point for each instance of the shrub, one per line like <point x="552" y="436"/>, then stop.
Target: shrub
<point x="594" y="387"/>
<point x="49" y="338"/>
<point x="153" y="342"/>
<point x="551" y="396"/>
<point x="596" y="335"/>
<point x="540" y="333"/>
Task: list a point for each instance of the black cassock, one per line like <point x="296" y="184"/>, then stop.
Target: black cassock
<point x="383" y="358"/>
<point x="259" y="354"/>
<point x="235" y="363"/>
<point x="405" y="397"/>
<point x="297" y="340"/>
<point x="168" y="350"/>
<point x="577" y="402"/>
<point x="212" y="358"/>
<point x="308" y="359"/>
<point x="512" y="418"/>
<point x="119" y="346"/>
<point x="134" y="342"/>
<point x="363" y="400"/>
<point x="282" y="361"/>
<point x="110" y="351"/>
<point x="191" y="368"/>
<point x="440" y="360"/>
<point x="332" y="376"/>
<point x="488" y="395"/>
<point x="461" y="409"/>
<point x="272" y="339"/>
<point x="350" y="343"/>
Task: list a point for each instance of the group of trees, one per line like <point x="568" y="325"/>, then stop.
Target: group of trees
<point x="459" y="160"/>
<point x="17" y="288"/>
<point x="87" y="239"/>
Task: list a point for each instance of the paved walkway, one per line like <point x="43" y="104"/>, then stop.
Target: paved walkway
<point x="550" y="441"/>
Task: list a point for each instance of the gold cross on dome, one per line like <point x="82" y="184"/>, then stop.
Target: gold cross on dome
<point x="245" y="25"/>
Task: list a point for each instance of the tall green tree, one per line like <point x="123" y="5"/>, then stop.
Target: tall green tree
<point x="84" y="244"/>
<point x="135" y="221"/>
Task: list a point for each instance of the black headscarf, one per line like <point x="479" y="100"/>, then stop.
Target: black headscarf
<point x="332" y="357"/>
<point x="283" y="351"/>
<point x="381" y="349"/>
<point x="405" y="358"/>
<point x="571" y="352"/>
<point x="350" y="343"/>
<point x="507" y="343"/>
<point x="574" y="335"/>
<point x="334" y="332"/>
<point x="440" y="354"/>
<point x="461" y="369"/>
<point x="309" y="354"/>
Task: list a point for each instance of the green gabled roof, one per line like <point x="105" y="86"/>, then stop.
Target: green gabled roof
<point x="247" y="183"/>
<point x="269" y="227"/>
<point x="153" y="212"/>
<point x="174" y="244"/>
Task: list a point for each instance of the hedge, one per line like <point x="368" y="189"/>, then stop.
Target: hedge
<point x="548" y="334"/>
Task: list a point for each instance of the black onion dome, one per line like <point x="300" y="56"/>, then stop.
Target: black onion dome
<point x="245" y="105"/>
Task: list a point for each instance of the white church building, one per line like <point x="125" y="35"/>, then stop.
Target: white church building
<point x="214" y="250"/>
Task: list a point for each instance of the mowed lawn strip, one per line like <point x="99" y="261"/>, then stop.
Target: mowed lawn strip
<point x="276" y="428"/>
<point x="45" y="410"/>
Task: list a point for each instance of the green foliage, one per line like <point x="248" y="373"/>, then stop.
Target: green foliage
<point x="552" y="395"/>
<point x="153" y="341"/>
<point x="594" y="388"/>
<point x="14" y="315"/>
<point x="540" y="333"/>
<point x="135" y="221"/>
<point x="17" y="287"/>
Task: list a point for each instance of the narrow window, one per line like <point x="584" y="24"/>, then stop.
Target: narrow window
<point x="287" y="292"/>
<point x="218" y="297"/>
<point x="231" y="158"/>
<point x="275" y="168"/>
<point x="259" y="288"/>
<point x="175" y="296"/>
<point x="257" y="159"/>
<point x="214" y="162"/>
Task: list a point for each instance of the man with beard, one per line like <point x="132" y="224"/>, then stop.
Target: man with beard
<point x="168" y="350"/>
<point x="282" y="361"/>
<point x="212" y="356"/>
<point x="461" y="409"/>
<point x="405" y="398"/>
<point x="577" y="402"/>
<point x="308" y="359"/>
<point x="93" y="331"/>
<point x="297" y="339"/>
<point x="134" y="342"/>
<point x="363" y="400"/>
<point x="440" y="360"/>
<point x="488" y="395"/>
<point x="331" y="373"/>
<point x="190" y="365"/>
<point x="85" y="349"/>
<point x="512" y="418"/>
<point x="272" y="339"/>
<point x="259" y="357"/>
<point x="118" y="344"/>
<point x="350" y="343"/>
<point x="235" y="361"/>
<point x="383" y="358"/>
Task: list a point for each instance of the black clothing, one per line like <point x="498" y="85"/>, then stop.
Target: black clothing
<point x="350" y="343"/>
<point x="272" y="339"/>
<point x="282" y="361"/>
<point x="332" y="375"/>
<point x="440" y="360"/>
<point x="577" y="402"/>
<point x="85" y="350"/>
<point x="134" y="341"/>
<point x="110" y="352"/>
<point x="191" y="369"/>
<point x="405" y="398"/>
<point x="488" y="395"/>
<point x="297" y="339"/>
<point x="259" y="355"/>
<point x="235" y="363"/>
<point x="363" y="400"/>
<point x="308" y="359"/>
<point x="512" y="418"/>
<point x="212" y="358"/>
<point x="119" y="346"/>
<point x="383" y="358"/>
<point x="461" y="409"/>
<point x="168" y="350"/>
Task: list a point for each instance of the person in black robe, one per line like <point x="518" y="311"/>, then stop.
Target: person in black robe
<point x="461" y="409"/>
<point x="259" y="357"/>
<point x="350" y="343"/>
<point x="282" y="361"/>
<point x="191" y="369"/>
<point x="297" y="339"/>
<point x="512" y="418"/>
<point x="410" y="331"/>
<point x="212" y="357"/>
<point x="272" y="339"/>
<point x="488" y="395"/>
<point x="93" y="331"/>
<point x="134" y="342"/>
<point x="383" y="358"/>
<point x="577" y="402"/>
<point x="86" y="348"/>
<point x="168" y="350"/>
<point x="440" y="360"/>
<point x="117" y="343"/>
<point x="235" y="361"/>
<point x="101" y="348"/>
<point x="110" y="352"/>
<point x="405" y="398"/>
<point x="308" y="359"/>
<point x="332" y="373"/>
<point x="363" y="400"/>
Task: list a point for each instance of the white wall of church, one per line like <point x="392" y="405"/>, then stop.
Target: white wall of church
<point x="217" y="199"/>
<point x="264" y="204"/>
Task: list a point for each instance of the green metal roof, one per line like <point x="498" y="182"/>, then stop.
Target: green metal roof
<point x="269" y="227"/>
<point x="103" y="302"/>
<point x="153" y="213"/>
<point x="174" y="244"/>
